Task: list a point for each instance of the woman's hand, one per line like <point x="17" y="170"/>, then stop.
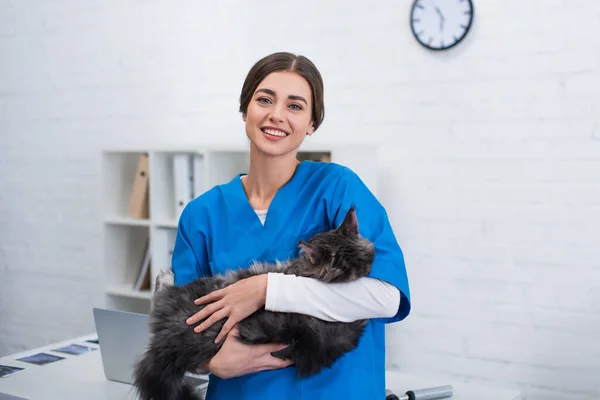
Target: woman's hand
<point x="235" y="358"/>
<point x="235" y="302"/>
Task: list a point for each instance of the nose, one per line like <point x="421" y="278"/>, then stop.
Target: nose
<point x="277" y="112"/>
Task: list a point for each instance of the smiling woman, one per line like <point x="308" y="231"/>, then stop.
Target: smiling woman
<point x="270" y="100"/>
<point x="279" y="104"/>
<point x="278" y="110"/>
<point x="261" y="216"/>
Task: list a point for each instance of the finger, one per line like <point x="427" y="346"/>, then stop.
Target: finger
<point x="219" y="315"/>
<point x="212" y="296"/>
<point x="227" y="326"/>
<point x="204" y="313"/>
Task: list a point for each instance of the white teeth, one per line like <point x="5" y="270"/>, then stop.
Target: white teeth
<point x="275" y="133"/>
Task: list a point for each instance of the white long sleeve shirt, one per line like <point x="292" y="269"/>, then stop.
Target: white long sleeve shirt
<point x="363" y="298"/>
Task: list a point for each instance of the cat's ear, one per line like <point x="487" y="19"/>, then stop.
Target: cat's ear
<point x="350" y="224"/>
<point x="312" y="252"/>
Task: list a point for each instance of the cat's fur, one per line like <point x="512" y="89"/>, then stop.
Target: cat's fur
<point x="339" y="255"/>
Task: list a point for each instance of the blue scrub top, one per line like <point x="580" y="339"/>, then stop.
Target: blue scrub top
<point x="219" y="230"/>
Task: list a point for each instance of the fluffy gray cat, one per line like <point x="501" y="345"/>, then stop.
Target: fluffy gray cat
<point x="339" y="255"/>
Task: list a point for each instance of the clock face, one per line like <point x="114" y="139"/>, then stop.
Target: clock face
<point x="441" y="24"/>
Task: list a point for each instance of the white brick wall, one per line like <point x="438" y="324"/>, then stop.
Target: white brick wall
<point x="492" y="160"/>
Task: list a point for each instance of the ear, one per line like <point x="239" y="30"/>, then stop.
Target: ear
<point x="244" y="117"/>
<point x="350" y="224"/>
<point x="311" y="251"/>
<point x="311" y="128"/>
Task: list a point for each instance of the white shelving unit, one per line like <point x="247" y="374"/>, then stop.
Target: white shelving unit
<point x="125" y="238"/>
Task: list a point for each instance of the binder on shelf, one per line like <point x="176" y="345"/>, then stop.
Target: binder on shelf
<point x="314" y="156"/>
<point x="143" y="278"/>
<point x="183" y="179"/>
<point x="138" y="200"/>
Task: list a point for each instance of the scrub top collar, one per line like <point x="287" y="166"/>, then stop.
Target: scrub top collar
<point x="279" y="210"/>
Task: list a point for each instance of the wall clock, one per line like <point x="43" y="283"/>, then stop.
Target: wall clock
<point x="441" y="24"/>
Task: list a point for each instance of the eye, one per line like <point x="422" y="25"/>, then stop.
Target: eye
<point x="296" y="107"/>
<point x="264" y="100"/>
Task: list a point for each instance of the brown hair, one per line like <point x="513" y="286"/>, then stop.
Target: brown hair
<point x="284" y="61"/>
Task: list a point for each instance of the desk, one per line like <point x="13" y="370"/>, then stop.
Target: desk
<point x="80" y="377"/>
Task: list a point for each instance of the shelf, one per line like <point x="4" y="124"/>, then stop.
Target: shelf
<point x="125" y="290"/>
<point x="128" y="221"/>
<point x="170" y="224"/>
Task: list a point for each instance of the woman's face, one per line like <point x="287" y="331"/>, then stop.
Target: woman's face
<point x="279" y="114"/>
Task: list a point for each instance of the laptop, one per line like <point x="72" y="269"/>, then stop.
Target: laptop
<point x="4" y="396"/>
<point x="123" y="336"/>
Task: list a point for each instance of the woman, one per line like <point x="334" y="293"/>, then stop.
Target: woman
<point x="261" y="216"/>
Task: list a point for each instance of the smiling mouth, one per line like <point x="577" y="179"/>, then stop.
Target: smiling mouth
<point x="274" y="132"/>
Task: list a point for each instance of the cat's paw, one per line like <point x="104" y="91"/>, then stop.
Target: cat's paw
<point x="164" y="279"/>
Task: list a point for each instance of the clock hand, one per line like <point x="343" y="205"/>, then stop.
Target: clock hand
<point x="441" y="18"/>
<point x="439" y="13"/>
